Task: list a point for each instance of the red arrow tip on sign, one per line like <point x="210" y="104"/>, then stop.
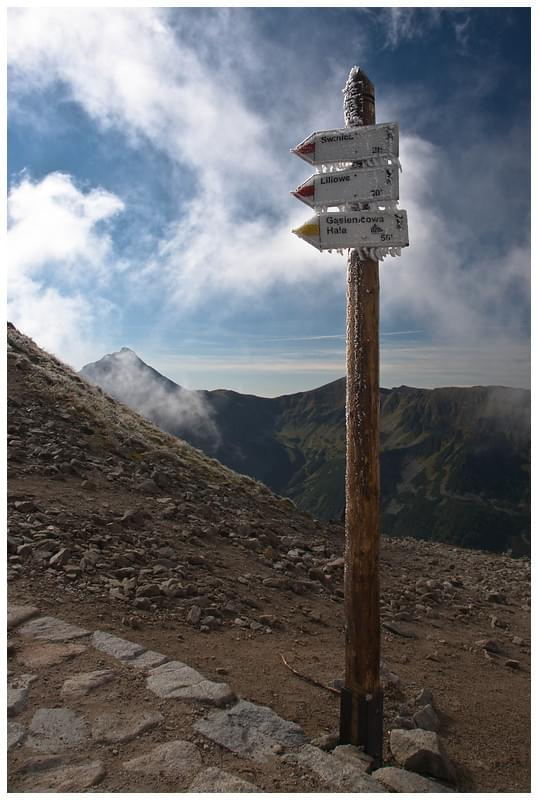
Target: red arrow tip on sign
<point x="305" y="149"/>
<point x="306" y="190"/>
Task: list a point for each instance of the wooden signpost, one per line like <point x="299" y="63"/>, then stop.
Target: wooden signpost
<point x="373" y="231"/>
<point x="361" y="701"/>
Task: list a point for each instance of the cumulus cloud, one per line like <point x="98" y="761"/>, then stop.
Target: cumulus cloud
<point x="457" y="279"/>
<point x="172" y="82"/>
<point x="127" y="70"/>
<point x="57" y="252"/>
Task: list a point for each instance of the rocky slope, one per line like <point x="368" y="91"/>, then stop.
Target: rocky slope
<point x="455" y="463"/>
<point x="117" y="526"/>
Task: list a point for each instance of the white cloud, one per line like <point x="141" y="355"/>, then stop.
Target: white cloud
<point x="58" y="256"/>
<point x="444" y="280"/>
<point x="179" y="89"/>
<point x="53" y="222"/>
<point x="126" y="69"/>
<point x="409" y="23"/>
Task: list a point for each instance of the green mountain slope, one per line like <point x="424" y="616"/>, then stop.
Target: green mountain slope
<point x="455" y="462"/>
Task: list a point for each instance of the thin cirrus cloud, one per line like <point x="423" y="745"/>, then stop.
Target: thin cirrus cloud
<point x="405" y="24"/>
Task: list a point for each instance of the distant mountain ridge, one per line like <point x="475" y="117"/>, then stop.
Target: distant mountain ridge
<point x="455" y="462"/>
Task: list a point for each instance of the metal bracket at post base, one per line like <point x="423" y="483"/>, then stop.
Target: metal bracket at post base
<point x="361" y="722"/>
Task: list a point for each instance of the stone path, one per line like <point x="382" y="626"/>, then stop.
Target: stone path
<point x="100" y="713"/>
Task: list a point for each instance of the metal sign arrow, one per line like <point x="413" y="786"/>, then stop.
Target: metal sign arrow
<point x="350" y="186"/>
<point x="358" y="229"/>
<point x="367" y="143"/>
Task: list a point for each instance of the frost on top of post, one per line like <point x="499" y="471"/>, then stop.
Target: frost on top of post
<point x="353" y="98"/>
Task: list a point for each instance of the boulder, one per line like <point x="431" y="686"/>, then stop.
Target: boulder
<point x="421" y="751"/>
<point x="214" y="779"/>
<point x="250" y="730"/>
<point x="401" y="780"/>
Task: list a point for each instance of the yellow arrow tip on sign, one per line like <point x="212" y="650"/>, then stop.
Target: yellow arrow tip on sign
<point x="308" y="229"/>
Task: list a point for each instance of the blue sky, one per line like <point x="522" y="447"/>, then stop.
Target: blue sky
<point x="149" y="175"/>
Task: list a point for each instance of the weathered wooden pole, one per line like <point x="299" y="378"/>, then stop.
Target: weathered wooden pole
<point x="361" y="710"/>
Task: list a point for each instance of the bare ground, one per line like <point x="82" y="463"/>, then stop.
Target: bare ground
<point x="484" y="705"/>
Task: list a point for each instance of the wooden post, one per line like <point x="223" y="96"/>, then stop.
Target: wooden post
<point x="361" y="710"/>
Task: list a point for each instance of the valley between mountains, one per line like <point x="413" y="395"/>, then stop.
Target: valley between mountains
<point x="138" y="541"/>
<point x="455" y="462"/>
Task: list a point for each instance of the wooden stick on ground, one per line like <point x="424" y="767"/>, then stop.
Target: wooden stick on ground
<point x="309" y="680"/>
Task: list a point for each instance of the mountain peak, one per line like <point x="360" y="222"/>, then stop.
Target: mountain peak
<point x="126" y="354"/>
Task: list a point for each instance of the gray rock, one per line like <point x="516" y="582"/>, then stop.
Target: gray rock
<point x="214" y="779"/>
<point x="407" y="723"/>
<point x="149" y="486"/>
<point x="60" y="558"/>
<point x="16" y="615"/>
<point x="148" y="590"/>
<point x="147" y="660"/>
<point x="424" y="697"/>
<point x="208" y="692"/>
<point x="250" y="730"/>
<point x="16" y="701"/>
<point x="427" y="719"/>
<point x="334" y="772"/>
<point x="194" y="615"/>
<point x="401" y="780"/>
<point x="399" y="630"/>
<point x="26" y="506"/>
<point x="15" y="734"/>
<point x="134" y="518"/>
<point x="36" y="656"/>
<point x="490" y="645"/>
<point x="512" y="663"/>
<point x="496" y="597"/>
<point x="172" y="675"/>
<point x="178" y="759"/>
<point x="388" y="677"/>
<point x="142" y="602"/>
<point x="68" y="778"/>
<point x="23" y="680"/>
<point x="124" y="725"/>
<point x="56" y="730"/>
<point x="326" y="741"/>
<point x="114" y="646"/>
<point x="52" y="629"/>
<point x="421" y="751"/>
<point x="82" y="684"/>
<point x="350" y="754"/>
<point x="178" y="680"/>
<point x="41" y="763"/>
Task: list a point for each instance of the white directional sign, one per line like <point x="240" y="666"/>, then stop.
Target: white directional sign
<point x="350" y="186"/>
<point x="350" y="144"/>
<point x="357" y="229"/>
